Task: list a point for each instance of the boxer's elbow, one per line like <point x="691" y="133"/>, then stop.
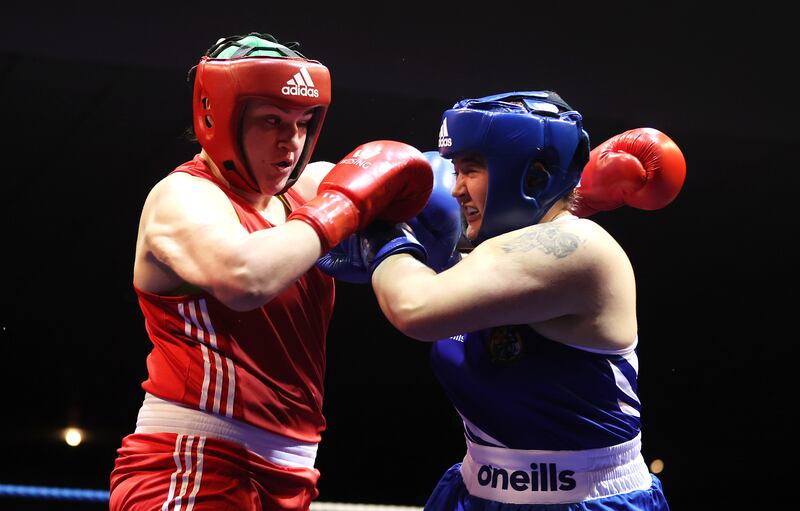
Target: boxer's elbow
<point x="242" y="289"/>
<point x="411" y="315"/>
<point x="240" y="294"/>
<point x="241" y="302"/>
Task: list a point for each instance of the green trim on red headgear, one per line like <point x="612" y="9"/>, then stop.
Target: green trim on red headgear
<point x="240" y="68"/>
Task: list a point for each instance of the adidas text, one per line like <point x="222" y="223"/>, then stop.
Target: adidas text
<point x="444" y="135"/>
<point x="300" y="90"/>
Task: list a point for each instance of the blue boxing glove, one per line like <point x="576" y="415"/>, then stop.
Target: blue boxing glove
<point x="355" y="258"/>
<point x="380" y="240"/>
<point x="438" y="227"/>
<point x="343" y="262"/>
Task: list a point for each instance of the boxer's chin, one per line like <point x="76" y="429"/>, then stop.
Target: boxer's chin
<point x="472" y="231"/>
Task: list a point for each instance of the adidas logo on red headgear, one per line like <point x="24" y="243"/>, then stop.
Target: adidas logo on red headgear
<point x="300" y="84"/>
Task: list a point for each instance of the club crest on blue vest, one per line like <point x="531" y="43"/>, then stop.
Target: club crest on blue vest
<point x="504" y="344"/>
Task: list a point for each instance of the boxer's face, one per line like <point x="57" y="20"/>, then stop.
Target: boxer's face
<point x="472" y="178"/>
<point x="273" y="138"/>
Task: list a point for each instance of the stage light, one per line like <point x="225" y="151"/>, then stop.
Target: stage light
<point x="656" y="466"/>
<point x="73" y="436"/>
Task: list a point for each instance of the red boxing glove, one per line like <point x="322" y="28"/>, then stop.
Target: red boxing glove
<point x="642" y="168"/>
<point x="384" y="180"/>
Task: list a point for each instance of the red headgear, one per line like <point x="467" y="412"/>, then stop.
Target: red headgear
<point x="223" y="85"/>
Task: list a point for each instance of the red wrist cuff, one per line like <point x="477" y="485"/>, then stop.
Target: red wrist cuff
<point x="332" y="215"/>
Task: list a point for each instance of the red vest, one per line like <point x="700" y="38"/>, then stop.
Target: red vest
<point x="265" y="367"/>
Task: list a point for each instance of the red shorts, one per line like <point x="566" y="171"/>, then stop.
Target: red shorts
<point x="166" y="471"/>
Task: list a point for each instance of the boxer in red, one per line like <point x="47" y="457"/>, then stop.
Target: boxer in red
<point x="233" y="304"/>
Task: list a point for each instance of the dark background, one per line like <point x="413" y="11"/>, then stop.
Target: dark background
<point x="94" y="105"/>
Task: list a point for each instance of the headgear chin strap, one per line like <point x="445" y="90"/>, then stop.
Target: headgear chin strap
<point x="512" y="132"/>
<point x="241" y="68"/>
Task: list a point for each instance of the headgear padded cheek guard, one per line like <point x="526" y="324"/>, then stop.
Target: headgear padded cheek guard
<point x="238" y="69"/>
<point x="512" y="132"/>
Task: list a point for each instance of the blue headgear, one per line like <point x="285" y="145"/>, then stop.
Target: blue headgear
<point x="512" y="131"/>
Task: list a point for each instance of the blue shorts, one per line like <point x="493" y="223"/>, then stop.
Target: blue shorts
<point x="451" y="495"/>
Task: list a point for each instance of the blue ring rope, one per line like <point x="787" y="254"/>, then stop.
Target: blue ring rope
<point x="45" y="492"/>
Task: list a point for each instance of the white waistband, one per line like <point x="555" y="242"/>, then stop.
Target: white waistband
<point x="159" y="416"/>
<point x="554" y="477"/>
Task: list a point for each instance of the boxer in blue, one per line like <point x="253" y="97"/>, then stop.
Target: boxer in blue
<point x="535" y="331"/>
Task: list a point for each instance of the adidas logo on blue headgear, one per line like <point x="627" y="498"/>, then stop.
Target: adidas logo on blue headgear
<point x="512" y="132"/>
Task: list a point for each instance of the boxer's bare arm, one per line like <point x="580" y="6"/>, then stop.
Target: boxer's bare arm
<point x="569" y="280"/>
<point x="189" y="232"/>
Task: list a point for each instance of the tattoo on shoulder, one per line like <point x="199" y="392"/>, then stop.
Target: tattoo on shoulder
<point x="549" y="239"/>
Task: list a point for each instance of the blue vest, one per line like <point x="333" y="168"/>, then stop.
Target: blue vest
<point x="520" y="390"/>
